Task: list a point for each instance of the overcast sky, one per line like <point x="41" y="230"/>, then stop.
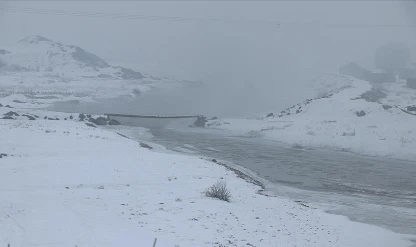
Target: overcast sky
<point x="240" y="45"/>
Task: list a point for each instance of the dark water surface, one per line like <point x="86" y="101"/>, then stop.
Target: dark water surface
<point x="367" y="189"/>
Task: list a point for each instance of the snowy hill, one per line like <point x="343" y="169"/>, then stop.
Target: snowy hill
<point x="39" y="67"/>
<point x="39" y="54"/>
<point x="350" y="115"/>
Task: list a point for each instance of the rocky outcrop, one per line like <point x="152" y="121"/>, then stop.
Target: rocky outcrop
<point x="374" y="95"/>
<point x="113" y="122"/>
<point x="88" y="59"/>
<point x="100" y="121"/>
<point x="29" y="117"/>
<point x="200" y="122"/>
<point x="144" y="145"/>
<point x="386" y="107"/>
<point x="129" y="74"/>
<point x="11" y="113"/>
<point x="411" y="108"/>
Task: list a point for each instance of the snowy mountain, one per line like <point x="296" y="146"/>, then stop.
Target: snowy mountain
<point x="39" y="66"/>
<point x="50" y="58"/>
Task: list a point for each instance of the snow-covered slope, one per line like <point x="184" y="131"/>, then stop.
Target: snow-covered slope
<point x="352" y="115"/>
<point x="39" y="54"/>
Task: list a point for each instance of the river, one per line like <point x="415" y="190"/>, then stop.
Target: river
<point x="372" y="190"/>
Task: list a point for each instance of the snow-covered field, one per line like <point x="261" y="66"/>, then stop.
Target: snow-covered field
<point x="67" y="184"/>
<point x="340" y="119"/>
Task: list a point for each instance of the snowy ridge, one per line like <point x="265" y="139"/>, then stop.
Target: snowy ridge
<point x="346" y="119"/>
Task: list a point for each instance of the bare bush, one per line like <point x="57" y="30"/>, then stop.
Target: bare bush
<point x="311" y="133"/>
<point x="403" y="141"/>
<point x="351" y="133"/>
<point x="219" y="190"/>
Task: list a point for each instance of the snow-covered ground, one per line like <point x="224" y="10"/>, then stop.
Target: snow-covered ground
<point x="341" y="119"/>
<point x="68" y="184"/>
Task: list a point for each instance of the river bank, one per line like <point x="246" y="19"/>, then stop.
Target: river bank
<point x="65" y="183"/>
<point x="352" y="116"/>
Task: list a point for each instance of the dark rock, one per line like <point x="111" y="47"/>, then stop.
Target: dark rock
<point x="144" y="145"/>
<point x="91" y="125"/>
<point x="71" y="117"/>
<point x="408" y="112"/>
<point x="56" y="118"/>
<point x="7" y="117"/>
<point x="88" y="59"/>
<point x="113" y="122"/>
<point x="4" y="52"/>
<point x="88" y="115"/>
<point x="8" y="106"/>
<point x="36" y="116"/>
<point x="100" y="121"/>
<point x="11" y="113"/>
<point x="374" y="95"/>
<point x="298" y="111"/>
<point x="45" y="117"/>
<point x="386" y="107"/>
<point x="1" y="105"/>
<point x="29" y="117"/>
<point x="129" y="74"/>
<point x="3" y="155"/>
<point x="360" y="113"/>
<point x="65" y="118"/>
<point x="214" y="118"/>
<point x="214" y="160"/>
<point x="18" y="101"/>
<point x="123" y="135"/>
<point x="270" y="115"/>
<point x="200" y="122"/>
<point x="411" y="108"/>
<point x="81" y="117"/>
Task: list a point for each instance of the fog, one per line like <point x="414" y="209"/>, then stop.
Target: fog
<point x="248" y="58"/>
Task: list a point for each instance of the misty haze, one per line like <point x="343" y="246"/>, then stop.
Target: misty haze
<point x="208" y="123"/>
